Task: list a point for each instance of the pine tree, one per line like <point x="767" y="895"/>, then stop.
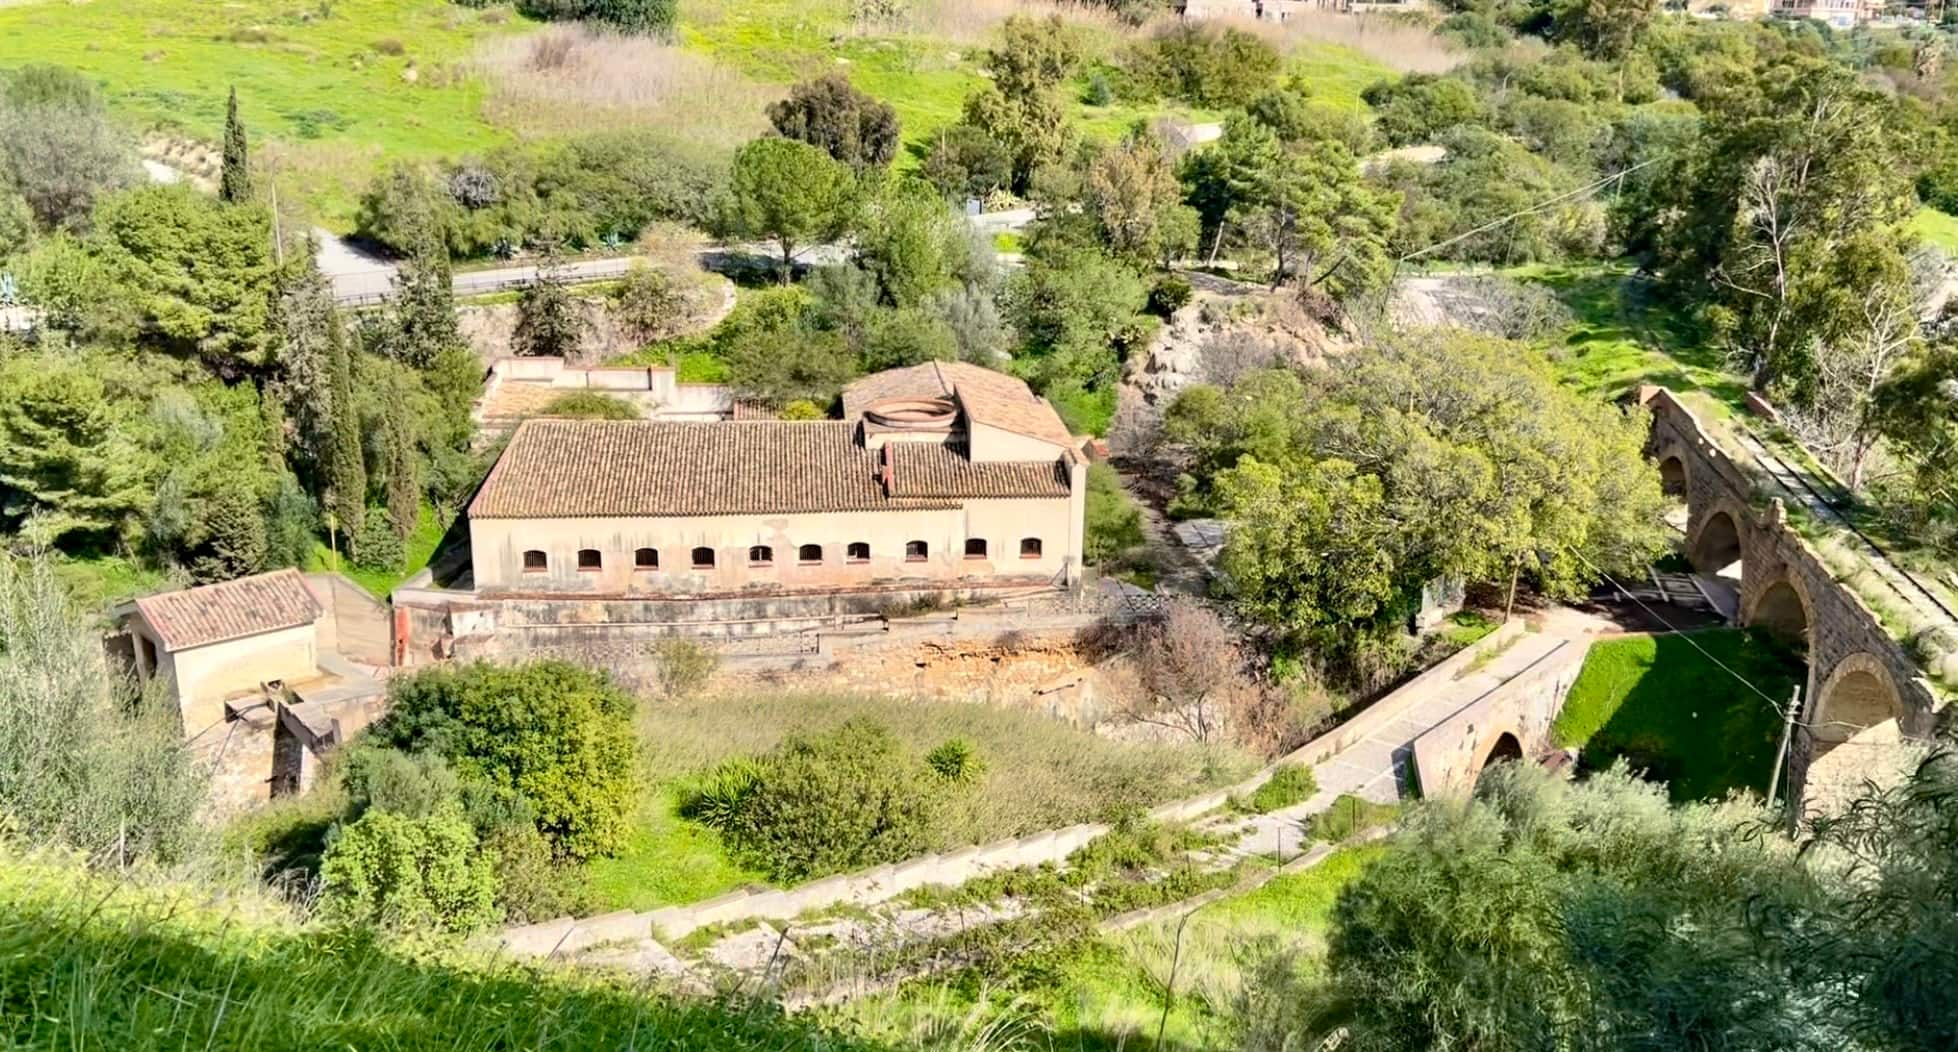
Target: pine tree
<point x="309" y="329"/>
<point x="346" y="471"/>
<point x="235" y="183"/>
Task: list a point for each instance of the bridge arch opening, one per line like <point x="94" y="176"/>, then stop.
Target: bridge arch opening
<point x="1672" y="477"/>
<point x="1858" y="711"/>
<point x="1505" y="749"/>
<point x="1717" y="550"/>
<point x="1783" y="613"/>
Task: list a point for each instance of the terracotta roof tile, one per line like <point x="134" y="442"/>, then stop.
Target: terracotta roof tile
<point x="929" y="469"/>
<point x="988" y="397"/>
<point x="213" y="613"/>
<point x="591" y="468"/>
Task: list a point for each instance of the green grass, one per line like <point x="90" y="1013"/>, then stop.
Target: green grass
<point x="1663" y="704"/>
<point x="101" y="581"/>
<point x="308" y="74"/>
<point x="1109" y="994"/>
<point x="1624" y="337"/>
<point x="96" y="963"/>
<point x="418" y="549"/>
<point x="666" y="861"/>
<point x="1936" y="228"/>
<point x="1464" y="628"/>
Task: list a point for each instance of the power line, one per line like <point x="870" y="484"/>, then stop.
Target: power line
<point x="1617" y="176"/>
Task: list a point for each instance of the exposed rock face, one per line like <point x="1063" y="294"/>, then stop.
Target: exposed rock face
<point x="1227" y="329"/>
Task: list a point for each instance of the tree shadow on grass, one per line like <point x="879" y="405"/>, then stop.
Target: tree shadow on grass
<point x="1611" y="306"/>
<point x="1687" y="722"/>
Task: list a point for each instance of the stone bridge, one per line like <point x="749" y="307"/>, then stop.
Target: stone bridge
<point x="1868" y="706"/>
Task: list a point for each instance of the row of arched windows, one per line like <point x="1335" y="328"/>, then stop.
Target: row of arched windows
<point x="536" y="561"/>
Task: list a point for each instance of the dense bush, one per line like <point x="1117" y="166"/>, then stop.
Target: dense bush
<point x="412" y="785"/>
<point x="409" y="873"/>
<point x="590" y="405"/>
<point x="377" y="546"/>
<point x="855" y="128"/>
<point x="1419" y="106"/>
<point x="552" y="735"/>
<point x="1169" y="294"/>
<point x="967" y="162"/>
<point x="1113" y="522"/>
<point x="1203" y="64"/>
<point x="650" y="17"/>
<point x="823" y="804"/>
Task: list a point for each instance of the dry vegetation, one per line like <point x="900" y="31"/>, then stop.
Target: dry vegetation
<point x="567" y="79"/>
<point x="1039" y="772"/>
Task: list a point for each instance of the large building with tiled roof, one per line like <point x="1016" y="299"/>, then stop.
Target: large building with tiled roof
<point x="941" y="473"/>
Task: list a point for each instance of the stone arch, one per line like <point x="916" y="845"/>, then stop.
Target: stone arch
<point x="1858" y="708"/>
<point x="1783" y="610"/>
<point x="1500" y="748"/>
<point x="1717" y="543"/>
<point x="1672" y="476"/>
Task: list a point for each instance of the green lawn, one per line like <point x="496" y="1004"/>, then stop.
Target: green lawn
<point x="1625" y="336"/>
<point x="328" y="77"/>
<point x="666" y="861"/>
<point x="98" y="582"/>
<point x="1936" y="228"/>
<point x="1667" y="708"/>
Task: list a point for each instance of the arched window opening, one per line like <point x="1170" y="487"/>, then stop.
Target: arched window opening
<point x="703" y="558"/>
<point x="809" y="554"/>
<point x="859" y="552"/>
<point x="975" y="548"/>
<point x="760" y="555"/>
<point x="589" y="559"/>
<point x="645" y="559"/>
<point x="916" y="551"/>
<point x="535" y="561"/>
<point x="1029" y="547"/>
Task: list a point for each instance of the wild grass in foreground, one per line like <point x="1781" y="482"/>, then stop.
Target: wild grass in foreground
<point x="90" y="963"/>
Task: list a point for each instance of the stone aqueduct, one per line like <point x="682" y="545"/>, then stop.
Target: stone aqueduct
<point x="1867" y="704"/>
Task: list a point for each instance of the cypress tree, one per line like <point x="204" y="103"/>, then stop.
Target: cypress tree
<point x="424" y="314"/>
<point x="308" y="325"/>
<point x="235" y="182"/>
<point x="346" y="471"/>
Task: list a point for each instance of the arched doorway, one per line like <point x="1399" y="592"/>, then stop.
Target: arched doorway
<point x="1856" y="715"/>
<point x="1783" y="613"/>
<point x="1717" y="548"/>
<point x="1672" y="477"/>
<point x="1505" y="749"/>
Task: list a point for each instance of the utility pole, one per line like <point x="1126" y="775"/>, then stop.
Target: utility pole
<point x="1781" y="751"/>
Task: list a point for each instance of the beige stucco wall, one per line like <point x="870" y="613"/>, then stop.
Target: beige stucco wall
<point x="990" y="444"/>
<point x="497" y="547"/>
<point x="201" y="677"/>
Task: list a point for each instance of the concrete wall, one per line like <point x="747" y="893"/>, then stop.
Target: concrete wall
<point x="498" y="546"/>
<point x="201" y="677"/>
<point x="1842" y="632"/>
<point x="1449" y="756"/>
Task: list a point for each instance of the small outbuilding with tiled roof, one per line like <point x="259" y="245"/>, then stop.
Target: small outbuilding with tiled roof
<point x="943" y="473"/>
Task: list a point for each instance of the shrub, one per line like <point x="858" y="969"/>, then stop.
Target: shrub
<point x="718" y="798"/>
<point x="1290" y="784"/>
<point x="955" y="761"/>
<point x="557" y="736"/>
<point x="852" y="127"/>
<point x="1348" y="817"/>
<point x="377" y="546"/>
<point x="968" y="162"/>
<point x="589" y="405"/>
<point x="529" y="888"/>
<point x="646" y="17"/>
<point x="412" y="785"/>
<point x="683" y="666"/>
<point x="408" y="873"/>
<point x="1205" y="65"/>
<point x="1169" y="294"/>
<point x="1098" y="92"/>
<point x="646" y="304"/>
<point x="842" y="800"/>
<point x="802" y="409"/>
<point x="1114" y="523"/>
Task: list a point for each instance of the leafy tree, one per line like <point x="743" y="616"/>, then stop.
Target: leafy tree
<point x="1606" y="29"/>
<point x="228" y="539"/>
<point x="590" y="405"/>
<point x="1221" y="180"/>
<point x="307" y="323"/>
<point x="377" y="544"/>
<point x="790" y="362"/>
<point x="788" y="192"/>
<point x="69" y="471"/>
<point x="409" y="873"/>
<point x="1021" y="109"/>
<point x="1552" y="914"/>
<point x="968" y="162"/>
<point x="1319" y="220"/>
<point x="647" y="17"/>
<point x="199" y="271"/>
<point x="855" y="128"/>
<point x="1074" y="308"/>
<point x="646" y="304"/>
<point x="58" y="149"/>
<point x="86" y="760"/>
<point x="291" y="522"/>
<point x="78" y="291"/>
<point x="550" y="320"/>
<point x="421" y="320"/>
<point x="17" y="231"/>
<point x="1113" y="522"/>
<point x="912" y="243"/>
<point x="554" y="735"/>
<point x="1295" y="117"/>
<point x="907" y="337"/>
<point x="1420" y="106"/>
<point x="1133" y="194"/>
<point x="235" y="179"/>
<point x="1204" y="64"/>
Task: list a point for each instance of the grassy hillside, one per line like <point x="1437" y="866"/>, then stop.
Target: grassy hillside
<point x="87" y="963"/>
<point x="332" y="88"/>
